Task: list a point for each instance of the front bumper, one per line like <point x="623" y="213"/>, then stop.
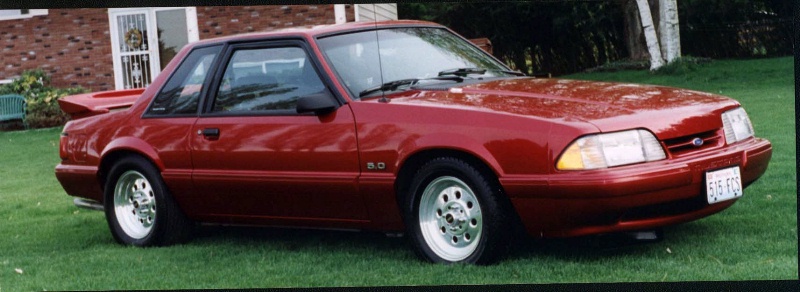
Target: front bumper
<point x="632" y="197"/>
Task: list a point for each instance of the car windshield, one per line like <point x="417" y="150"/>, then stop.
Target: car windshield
<point x="366" y="60"/>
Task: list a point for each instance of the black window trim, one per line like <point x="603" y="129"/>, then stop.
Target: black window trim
<point x="147" y="115"/>
<point x="278" y="42"/>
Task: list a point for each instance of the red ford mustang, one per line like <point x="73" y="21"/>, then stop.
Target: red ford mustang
<point x="399" y="127"/>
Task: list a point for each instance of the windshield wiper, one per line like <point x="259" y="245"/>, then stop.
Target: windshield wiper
<point x="515" y="73"/>
<point x="462" y="72"/>
<point x="393" y="85"/>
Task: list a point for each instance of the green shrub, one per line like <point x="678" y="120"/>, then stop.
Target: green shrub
<point x="681" y="66"/>
<point x="43" y="109"/>
<point x="46" y="115"/>
<point x="621" y="65"/>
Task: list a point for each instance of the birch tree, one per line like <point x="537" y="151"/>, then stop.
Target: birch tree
<point x="669" y="31"/>
<point x="656" y="61"/>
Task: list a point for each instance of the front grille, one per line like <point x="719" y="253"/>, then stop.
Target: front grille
<point x="683" y="145"/>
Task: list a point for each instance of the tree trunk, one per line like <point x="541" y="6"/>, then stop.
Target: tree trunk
<point x="519" y="61"/>
<point x="656" y="61"/>
<point x="669" y="31"/>
<point x="633" y="36"/>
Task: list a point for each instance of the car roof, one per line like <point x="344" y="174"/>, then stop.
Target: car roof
<point x="314" y="31"/>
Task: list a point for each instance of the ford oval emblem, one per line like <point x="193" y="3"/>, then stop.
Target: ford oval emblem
<point x="697" y="142"/>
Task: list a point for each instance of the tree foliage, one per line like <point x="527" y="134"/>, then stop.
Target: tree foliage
<point x="736" y="28"/>
<point x="562" y="37"/>
<point x="534" y="37"/>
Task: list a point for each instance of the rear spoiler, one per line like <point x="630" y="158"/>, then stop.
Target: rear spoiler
<point x="91" y="104"/>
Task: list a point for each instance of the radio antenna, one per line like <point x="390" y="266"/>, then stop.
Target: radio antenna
<point x="378" y="43"/>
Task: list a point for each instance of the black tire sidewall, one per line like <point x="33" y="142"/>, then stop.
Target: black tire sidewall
<point x="160" y="192"/>
<point x="493" y="239"/>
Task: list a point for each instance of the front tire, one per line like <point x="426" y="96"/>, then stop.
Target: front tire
<point x="453" y="214"/>
<point x="139" y="209"/>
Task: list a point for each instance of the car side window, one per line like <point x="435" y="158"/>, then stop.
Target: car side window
<point x="181" y="93"/>
<point x="266" y="80"/>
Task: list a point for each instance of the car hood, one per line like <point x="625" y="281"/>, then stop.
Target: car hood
<point x="668" y="112"/>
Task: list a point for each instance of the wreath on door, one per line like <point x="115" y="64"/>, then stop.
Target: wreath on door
<point x="133" y="38"/>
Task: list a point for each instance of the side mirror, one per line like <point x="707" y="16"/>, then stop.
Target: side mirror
<point x="319" y="103"/>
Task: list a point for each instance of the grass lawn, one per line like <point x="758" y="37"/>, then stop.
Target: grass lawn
<point x="48" y="244"/>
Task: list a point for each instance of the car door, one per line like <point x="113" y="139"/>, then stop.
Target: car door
<point x="261" y="160"/>
<point x="167" y="124"/>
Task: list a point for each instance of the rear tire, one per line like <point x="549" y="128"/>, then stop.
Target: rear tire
<point x="139" y="209"/>
<point x="454" y="214"/>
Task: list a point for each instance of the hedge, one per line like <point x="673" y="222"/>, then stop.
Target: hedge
<point x="43" y="109"/>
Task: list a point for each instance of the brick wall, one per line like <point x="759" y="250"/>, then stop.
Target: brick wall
<point x="215" y="21"/>
<point x="74" y="45"/>
<point x="68" y="44"/>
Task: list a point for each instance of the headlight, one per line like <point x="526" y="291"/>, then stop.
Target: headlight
<point x="737" y="125"/>
<point x="611" y="149"/>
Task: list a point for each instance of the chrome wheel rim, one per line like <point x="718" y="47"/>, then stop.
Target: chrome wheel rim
<point x="134" y="204"/>
<point x="450" y="218"/>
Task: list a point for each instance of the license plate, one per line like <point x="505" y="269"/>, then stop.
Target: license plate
<point x="723" y="184"/>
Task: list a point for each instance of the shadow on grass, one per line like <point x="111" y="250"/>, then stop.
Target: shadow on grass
<point x="302" y="240"/>
<point x="586" y="248"/>
<point x="94" y="233"/>
<point x="15" y="125"/>
<point x="605" y="246"/>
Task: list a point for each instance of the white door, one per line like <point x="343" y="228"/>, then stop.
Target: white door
<point x="144" y="40"/>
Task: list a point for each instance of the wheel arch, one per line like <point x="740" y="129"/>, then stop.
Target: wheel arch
<point x="123" y="147"/>
<point x="417" y="150"/>
<point x="414" y="161"/>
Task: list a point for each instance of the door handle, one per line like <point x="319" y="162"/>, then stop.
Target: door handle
<point x="209" y="132"/>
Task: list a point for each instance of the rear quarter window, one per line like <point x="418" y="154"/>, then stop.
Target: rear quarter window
<point x="181" y="94"/>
